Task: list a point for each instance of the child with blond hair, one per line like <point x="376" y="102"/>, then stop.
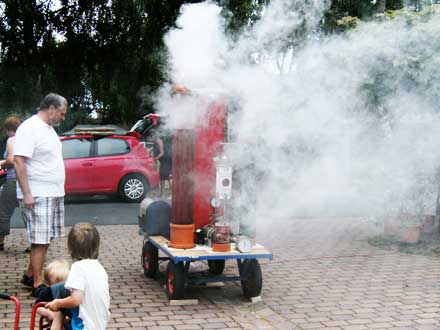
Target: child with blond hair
<point x="56" y="271"/>
<point x="55" y="274"/>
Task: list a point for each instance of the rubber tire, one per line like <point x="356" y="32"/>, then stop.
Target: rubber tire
<point x="216" y="267"/>
<point x="125" y="180"/>
<point x="175" y="280"/>
<point x="150" y="259"/>
<point x="252" y="281"/>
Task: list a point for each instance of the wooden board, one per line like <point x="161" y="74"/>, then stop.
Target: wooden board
<point x="184" y="302"/>
<point x="205" y="251"/>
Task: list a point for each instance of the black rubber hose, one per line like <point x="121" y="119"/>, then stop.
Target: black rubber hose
<point x="5" y="296"/>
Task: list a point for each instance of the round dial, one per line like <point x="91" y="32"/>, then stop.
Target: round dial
<point x="244" y="244"/>
<point x="215" y="202"/>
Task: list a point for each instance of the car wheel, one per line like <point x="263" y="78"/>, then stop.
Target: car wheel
<point x="133" y="188"/>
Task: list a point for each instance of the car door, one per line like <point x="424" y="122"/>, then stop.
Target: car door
<point x="111" y="161"/>
<point x="146" y="125"/>
<point x="79" y="165"/>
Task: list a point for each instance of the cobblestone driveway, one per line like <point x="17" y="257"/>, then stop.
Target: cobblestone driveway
<point x="324" y="275"/>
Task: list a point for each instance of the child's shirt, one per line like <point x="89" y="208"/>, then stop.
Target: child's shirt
<point x="90" y="277"/>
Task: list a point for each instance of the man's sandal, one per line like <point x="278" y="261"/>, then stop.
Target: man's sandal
<point x="27" y="280"/>
<point x="36" y="292"/>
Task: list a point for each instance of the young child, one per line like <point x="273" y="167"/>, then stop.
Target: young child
<point x="89" y="301"/>
<point x="56" y="271"/>
<point x="55" y="274"/>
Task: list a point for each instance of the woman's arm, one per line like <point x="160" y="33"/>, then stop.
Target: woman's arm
<point x="9" y="161"/>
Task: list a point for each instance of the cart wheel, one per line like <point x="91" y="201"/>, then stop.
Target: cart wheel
<point x="150" y="259"/>
<point x="175" y="280"/>
<point x="252" y="278"/>
<point x="216" y="267"/>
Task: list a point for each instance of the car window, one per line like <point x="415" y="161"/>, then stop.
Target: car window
<point x="109" y="146"/>
<point x="76" y="148"/>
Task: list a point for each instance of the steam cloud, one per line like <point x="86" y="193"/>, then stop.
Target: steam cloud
<point x="345" y="125"/>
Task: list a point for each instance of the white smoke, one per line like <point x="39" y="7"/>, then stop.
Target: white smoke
<point x="196" y="46"/>
<point x="321" y="144"/>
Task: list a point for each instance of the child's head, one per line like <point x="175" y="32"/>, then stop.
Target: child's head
<point x="83" y="241"/>
<point x="56" y="271"/>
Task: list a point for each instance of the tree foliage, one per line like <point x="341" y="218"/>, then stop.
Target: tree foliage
<point x="241" y="14"/>
<point x="345" y="14"/>
<point x="103" y="55"/>
<point x="108" y="56"/>
<point x="100" y="54"/>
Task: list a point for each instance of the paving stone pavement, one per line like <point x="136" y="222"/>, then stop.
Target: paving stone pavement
<point x="324" y="275"/>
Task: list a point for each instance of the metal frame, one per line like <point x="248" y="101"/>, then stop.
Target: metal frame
<point x="192" y="279"/>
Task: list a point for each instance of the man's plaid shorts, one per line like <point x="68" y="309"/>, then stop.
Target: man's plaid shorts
<point x="45" y="221"/>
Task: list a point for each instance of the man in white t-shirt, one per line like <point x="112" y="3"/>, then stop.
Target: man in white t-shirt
<point x="40" y="174"/>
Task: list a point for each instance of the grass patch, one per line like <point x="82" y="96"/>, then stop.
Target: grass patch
<point x="428" y="246"/>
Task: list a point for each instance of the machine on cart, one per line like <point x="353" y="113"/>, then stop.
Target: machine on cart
<point x="212" y="214"/>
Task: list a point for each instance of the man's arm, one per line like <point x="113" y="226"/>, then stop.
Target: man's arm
<point x="74" y="300"/>
<point x="20" y="170"/>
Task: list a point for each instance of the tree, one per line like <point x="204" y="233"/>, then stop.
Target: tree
<point x="241" y="14"/>
<point x="344" y="14"/>
<point x="23" y="26"/>
<point x="102" y="55"/>
<point x="108" y="55"/>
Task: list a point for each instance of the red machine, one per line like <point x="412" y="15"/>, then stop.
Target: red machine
<point x="194" y="171"/>
<point x="205" y="184"/>
<point x="202" y="180"/>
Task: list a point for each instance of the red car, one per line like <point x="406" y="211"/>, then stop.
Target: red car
<point x="107" y="165"/>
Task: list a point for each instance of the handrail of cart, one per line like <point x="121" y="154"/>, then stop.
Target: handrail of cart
<point x="17" y="307"/>
<point x="217" y="256"/>
<point x="34" y="313"/>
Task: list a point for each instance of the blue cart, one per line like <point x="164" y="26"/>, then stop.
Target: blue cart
<point x="177" y="271"/>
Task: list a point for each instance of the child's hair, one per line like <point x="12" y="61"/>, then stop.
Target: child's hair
<point x="56" y="271"/>
<point x="83" y="241"/>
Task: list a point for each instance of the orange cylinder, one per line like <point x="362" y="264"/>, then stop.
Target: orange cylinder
<point x="221" y="247"/>
<point x="182" y="236"/>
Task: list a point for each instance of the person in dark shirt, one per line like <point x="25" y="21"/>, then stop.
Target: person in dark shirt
<point x="8" y="194"/>
<point x="162" y="154"/>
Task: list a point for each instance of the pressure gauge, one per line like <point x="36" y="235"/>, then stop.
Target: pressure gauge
<point x="244" y="244"/>
<point x="215" y="202"/>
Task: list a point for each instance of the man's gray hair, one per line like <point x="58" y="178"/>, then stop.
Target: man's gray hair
<point x="52" y="99"/>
